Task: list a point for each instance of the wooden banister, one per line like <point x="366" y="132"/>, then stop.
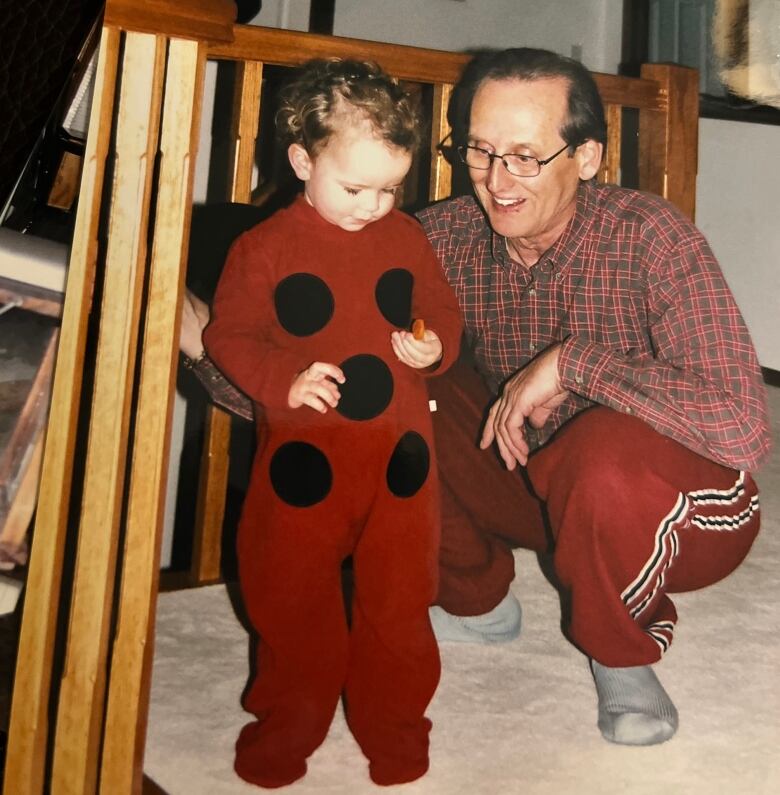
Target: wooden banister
<point x="26" y="755"/>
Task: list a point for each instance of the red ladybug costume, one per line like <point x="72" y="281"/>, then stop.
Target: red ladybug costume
<point x="358" y="480"/>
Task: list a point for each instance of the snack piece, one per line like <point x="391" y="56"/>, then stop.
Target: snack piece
<point x="418" y="328"/>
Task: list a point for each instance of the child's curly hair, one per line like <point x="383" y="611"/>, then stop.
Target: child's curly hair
<point x="329" y="92"/>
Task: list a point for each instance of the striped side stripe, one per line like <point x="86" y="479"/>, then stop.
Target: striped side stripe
<point x="727" y="523"/>
<point x="661" y="632"/>
<point x="651" y="577"/>
<point x="715" y="497"/>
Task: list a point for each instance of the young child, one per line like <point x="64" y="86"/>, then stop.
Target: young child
<point x="311" y="320"/>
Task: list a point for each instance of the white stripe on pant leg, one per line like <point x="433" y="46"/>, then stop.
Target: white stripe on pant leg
<point x="720" y="496"/>
<point x="666" y="547"/>
<point x="728" y="523"/>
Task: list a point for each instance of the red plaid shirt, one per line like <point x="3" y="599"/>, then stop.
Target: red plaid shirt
<point x="648" y="324"/>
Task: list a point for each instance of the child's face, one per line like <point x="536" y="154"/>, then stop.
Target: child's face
<point x="352" y="182"/>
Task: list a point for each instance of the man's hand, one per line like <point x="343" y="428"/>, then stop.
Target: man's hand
<point x="531" y="394"/>
<point x="316" y="387"/>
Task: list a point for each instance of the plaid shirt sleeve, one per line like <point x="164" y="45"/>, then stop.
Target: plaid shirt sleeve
<point x="700" y="383"/>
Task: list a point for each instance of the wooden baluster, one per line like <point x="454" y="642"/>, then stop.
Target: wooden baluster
<point x="131" y="661"/>
<point x="610" y="165"/>
<point x="669" y="140"/>
<point x="441" y="170"/>
<point x="80" y="713"/>
<point x="28" y="730"/>
<point x="215" y="458"/>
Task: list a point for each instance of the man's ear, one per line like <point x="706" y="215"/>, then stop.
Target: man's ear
<point x="300" y="161"/>
<point x="589" y="158"/>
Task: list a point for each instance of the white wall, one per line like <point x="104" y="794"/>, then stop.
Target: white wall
<point x="288" y="14"/>
<point x="593" y="26"/>
<point x="738" y="209"/>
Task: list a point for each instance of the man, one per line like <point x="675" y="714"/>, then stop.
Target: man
<point x="627" y="385"/>
<point x="620" y="378"/>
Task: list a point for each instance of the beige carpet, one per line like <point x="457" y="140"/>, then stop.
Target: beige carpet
<point x="517" y="718"/>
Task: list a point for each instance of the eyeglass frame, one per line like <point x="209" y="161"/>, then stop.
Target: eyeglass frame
<point x="461" y="150"/>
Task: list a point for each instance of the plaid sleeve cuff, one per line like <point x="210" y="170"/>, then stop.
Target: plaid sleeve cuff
<point x="581" y="364"/>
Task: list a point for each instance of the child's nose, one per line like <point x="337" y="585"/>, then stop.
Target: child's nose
<point x="370" y="201"/>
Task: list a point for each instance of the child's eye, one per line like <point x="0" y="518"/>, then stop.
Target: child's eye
<point x="352" y="191"/>
<point x="391" y="191"/>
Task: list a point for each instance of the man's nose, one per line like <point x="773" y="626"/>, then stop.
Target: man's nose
<point x="497" y="175"/>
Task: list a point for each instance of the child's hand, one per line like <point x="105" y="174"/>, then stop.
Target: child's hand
<point x="316" y="387"/>
<point x="416" y="353"/>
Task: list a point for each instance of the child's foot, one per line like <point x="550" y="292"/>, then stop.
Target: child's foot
<point x="500" y="625"/>
<point x="387" y="773"/>
<point x="264" y="770"/>
<point x="634" y="708"/>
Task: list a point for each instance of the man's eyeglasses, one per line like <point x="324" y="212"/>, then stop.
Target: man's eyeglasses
<point x="517" y="165"/>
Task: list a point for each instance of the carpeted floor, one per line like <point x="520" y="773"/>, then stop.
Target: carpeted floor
<point x="517" y="718"/>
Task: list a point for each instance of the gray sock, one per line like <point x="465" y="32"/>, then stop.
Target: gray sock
<point x="499" y="625"/>
<point x="634" y="708"/>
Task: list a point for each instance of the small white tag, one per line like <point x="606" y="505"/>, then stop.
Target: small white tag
<point x="432" y="405"/>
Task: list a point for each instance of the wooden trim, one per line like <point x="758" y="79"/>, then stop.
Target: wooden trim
<point x="17" y="522"/>
<point x="215" y="456"/>
<point x="610" y="165"/>
<point x="292" y="48"/>
<point x="31" y="297"/>
<point x="133" y="649"/>
<point x="31" y="418"/>
<point x="245" y="123"/>
<point x="80" y="712"/>
<point x="210" y="506"/>
<point x="28" y="732"/>
<point x="669" y="142"/>
<point x="205" y="20"/>
<point x="441" y="171"/>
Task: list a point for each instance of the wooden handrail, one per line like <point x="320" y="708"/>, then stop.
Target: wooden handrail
<point x="292" y="48"/>
<point x="203" y="20"/>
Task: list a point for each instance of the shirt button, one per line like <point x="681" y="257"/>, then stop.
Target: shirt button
<point x="629" y="410"/>
<point x="532" y="348"/>
<point x="578" y="379"/>
<point x="532" y="291"/>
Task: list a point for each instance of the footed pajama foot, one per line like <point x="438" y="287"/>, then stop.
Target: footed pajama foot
<point x="386" y="774"/>
<point x="264" y="769"/>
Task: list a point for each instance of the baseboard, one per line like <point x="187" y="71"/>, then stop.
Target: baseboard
<point x="771" y="377"/>
<point x="149" y="787"/>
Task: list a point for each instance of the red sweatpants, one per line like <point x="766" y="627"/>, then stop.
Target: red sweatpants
<point x="628" y="514"/>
